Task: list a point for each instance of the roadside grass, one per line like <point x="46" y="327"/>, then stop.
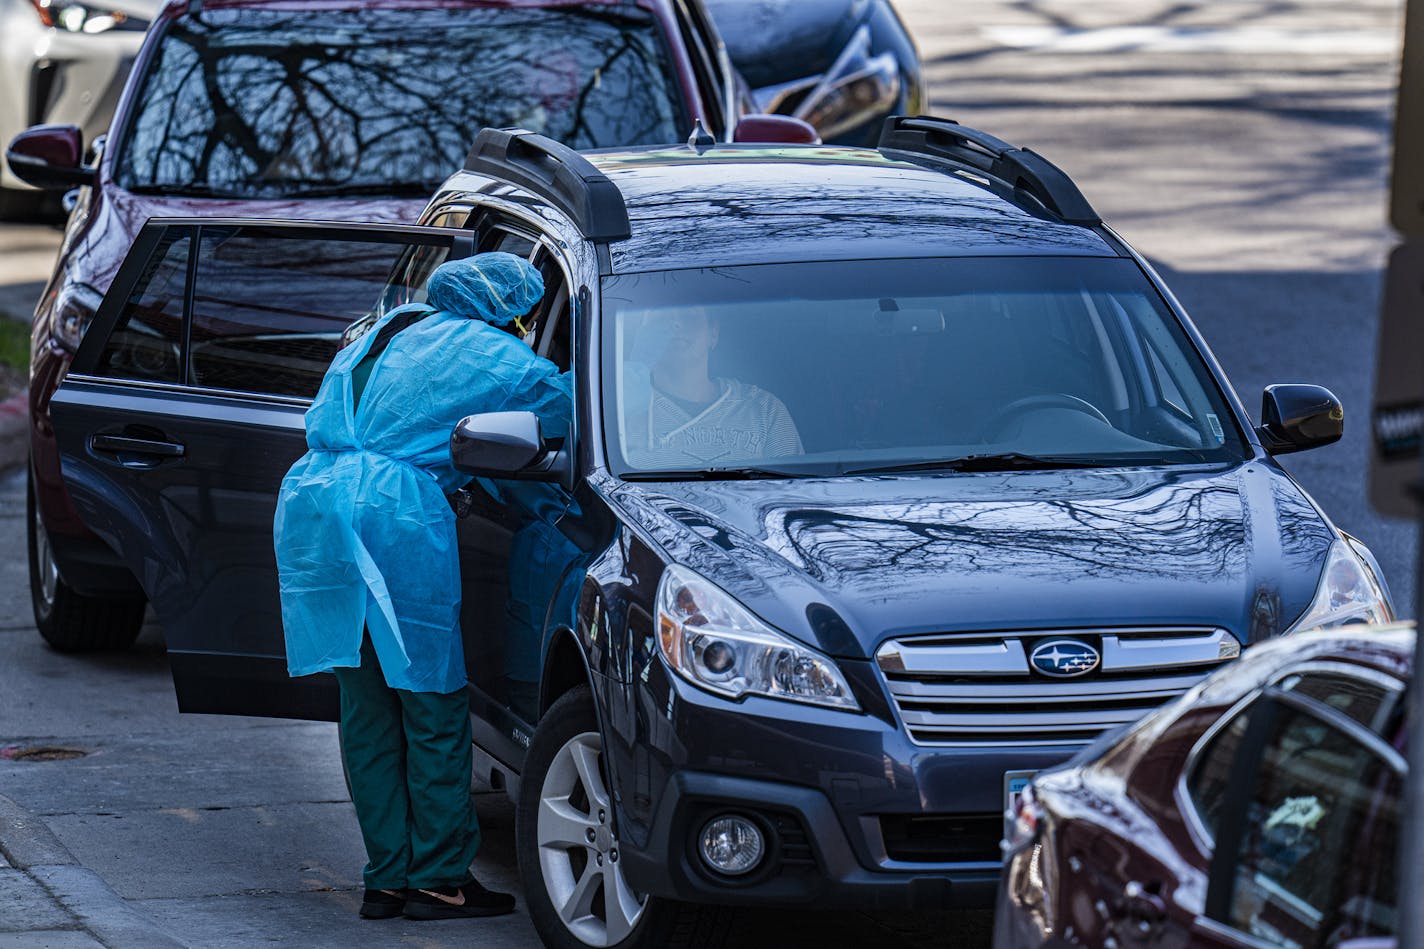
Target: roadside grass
<point x="14" y="344"/>
<point x="14" y="355"/>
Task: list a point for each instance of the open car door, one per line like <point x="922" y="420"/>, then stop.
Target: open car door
<point x="183" y="411"/>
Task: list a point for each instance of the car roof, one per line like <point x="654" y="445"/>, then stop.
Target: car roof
<point x="745" y="204"/>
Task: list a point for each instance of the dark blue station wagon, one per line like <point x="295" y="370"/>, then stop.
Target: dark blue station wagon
<point x="896" y="477"/>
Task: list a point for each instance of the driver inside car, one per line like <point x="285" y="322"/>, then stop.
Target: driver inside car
<point x="687" y="418"/>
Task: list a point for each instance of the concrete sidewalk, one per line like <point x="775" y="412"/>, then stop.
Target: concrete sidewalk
<point x="48" y="899"/>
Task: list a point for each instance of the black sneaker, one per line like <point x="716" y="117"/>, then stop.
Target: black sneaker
<point x="383" y="904"/>
<point x="457" y="902"/>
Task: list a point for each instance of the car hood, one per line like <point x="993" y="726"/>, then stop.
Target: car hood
<point x="846" y="563"/>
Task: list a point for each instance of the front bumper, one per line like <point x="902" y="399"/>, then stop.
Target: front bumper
<point x="855" y="813"/>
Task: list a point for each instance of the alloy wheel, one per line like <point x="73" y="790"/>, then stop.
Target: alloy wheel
<point x="46" y="567"/>
<point x="578" y="853"/>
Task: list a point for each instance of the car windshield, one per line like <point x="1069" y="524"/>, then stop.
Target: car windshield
<point x="893" y="365"/>
<point x="253" y="102"/>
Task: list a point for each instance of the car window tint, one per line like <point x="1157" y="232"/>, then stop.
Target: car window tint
<point x="1316" y="862"/>
<point x="507" y="242"/>
<point x="256" y="101"/>
<point x="269" y="311"/>
<point x="147" y="340"/>
<point x="709" y="81"/>
<point x="406" y="283"/>
<point x="1211" y="771"/>
<point x="891" y="362"/>
<point x="1357" y="698"/>
<point x="549" y="322"/>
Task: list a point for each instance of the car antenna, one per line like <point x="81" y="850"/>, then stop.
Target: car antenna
<point x="700" y="137"/>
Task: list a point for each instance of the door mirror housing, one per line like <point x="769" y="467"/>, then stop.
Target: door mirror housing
<point x="507" y="445"/>
<point x="1297" y="417"/>
<point x="776" y="129"/>
<point x="50" y="157"/>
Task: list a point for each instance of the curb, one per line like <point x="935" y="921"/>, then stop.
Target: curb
<point x="32" y="848"/>
<point x="14" y="430"/>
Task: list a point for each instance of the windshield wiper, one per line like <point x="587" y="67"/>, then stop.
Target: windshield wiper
<point x="709" y="474"/>
<point x="1001" y="461"/>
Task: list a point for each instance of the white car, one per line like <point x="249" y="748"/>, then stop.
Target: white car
<point x="63" y="62"/>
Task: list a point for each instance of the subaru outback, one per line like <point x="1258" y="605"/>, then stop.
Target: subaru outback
<point x="895" y="477"/>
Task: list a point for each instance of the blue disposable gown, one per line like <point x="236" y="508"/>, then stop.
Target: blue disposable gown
<point x="364" y="534"/>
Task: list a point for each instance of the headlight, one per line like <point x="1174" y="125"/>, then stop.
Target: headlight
<point x="73" y="310"/>
<point x="715" y="643"/>
<point x="74" y="17"/>
<point x="1349" y="592"/>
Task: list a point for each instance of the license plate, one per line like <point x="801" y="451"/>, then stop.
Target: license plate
<point x="1014" y="784"/>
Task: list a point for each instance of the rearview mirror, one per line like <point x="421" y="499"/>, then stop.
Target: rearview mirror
<point x="1297" y="417"/>
<point x="50" y="157"/>
<point x="507" y="445"/>
<point x="775" y="129"/>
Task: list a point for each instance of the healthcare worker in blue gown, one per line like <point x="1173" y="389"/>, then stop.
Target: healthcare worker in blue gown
<point x="370" y="574"/>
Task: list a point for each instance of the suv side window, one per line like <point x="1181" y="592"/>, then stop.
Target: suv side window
<point x="269" y="310"/>
<point x="704" y="67"/>
<point x="1211" y="772"/>
<point x="147" y="342"/>
<point x="1367" y="702"/>
<point x="548" y="324"/>
<point x="1309" y="860"/>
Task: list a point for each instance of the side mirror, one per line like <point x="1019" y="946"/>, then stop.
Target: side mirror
<point x="507" y="445"/>
<point x="775" y="129"/>
<point x="50" y="157"/>
<point x="1297" y="417"/>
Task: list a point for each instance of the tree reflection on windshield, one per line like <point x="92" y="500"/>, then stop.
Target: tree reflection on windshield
<point x="263" y="103"/>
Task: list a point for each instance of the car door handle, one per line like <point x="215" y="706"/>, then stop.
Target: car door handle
<point x="126" y="445"/>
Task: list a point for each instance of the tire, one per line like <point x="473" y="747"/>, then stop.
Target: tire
<point x="70" y="621"/>
<point x="556" y="791"/>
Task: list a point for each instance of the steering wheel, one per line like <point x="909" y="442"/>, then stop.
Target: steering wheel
<point x="1032" y="403"/>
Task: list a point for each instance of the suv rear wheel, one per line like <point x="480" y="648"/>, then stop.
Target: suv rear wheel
<point x="70" y="621"/>
<point x="568" y="854"/>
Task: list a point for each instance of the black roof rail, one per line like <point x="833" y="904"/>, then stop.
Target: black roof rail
<point x="944" y="141"/>
<point x="557" y="173"/>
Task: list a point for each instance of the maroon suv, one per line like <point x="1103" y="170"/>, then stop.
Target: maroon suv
<point x="352" y="110"/>
<point x="1260" y="809"/>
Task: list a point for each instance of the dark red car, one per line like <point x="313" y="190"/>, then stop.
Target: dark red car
<point x="1260" y="809"/>
<point x="339" y="110"/>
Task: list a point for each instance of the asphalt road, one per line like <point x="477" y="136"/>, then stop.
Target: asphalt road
<point x="1242" y="146"/>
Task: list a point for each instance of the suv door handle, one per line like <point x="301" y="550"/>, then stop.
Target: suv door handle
<point x="120" y="445"/>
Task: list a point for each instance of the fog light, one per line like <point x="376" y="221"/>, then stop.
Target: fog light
<point x="732" y="845"/>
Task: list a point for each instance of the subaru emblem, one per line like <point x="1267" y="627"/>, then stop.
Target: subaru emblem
<point x="1064" y="657"/>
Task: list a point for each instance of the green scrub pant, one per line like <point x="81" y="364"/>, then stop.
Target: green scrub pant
<point x="408" y="763"/>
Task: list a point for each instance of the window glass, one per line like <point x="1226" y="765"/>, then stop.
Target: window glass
<point x="1360" y="699"/>
<point x="708" y="77"/>
<point x="1207" y="783"/>
<point x="549" y="322"/>
<point x="825" y="368"/>
<point x="507" y="242"/>
<point x="258" y="102"/>
<point x="269" y="309"/>
<point x="147" y="341"/>
<point x="1316" y="862"/>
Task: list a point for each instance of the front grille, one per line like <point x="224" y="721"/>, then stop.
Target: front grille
<point x="980" y="688"/>
<point x="942" y="838"/>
